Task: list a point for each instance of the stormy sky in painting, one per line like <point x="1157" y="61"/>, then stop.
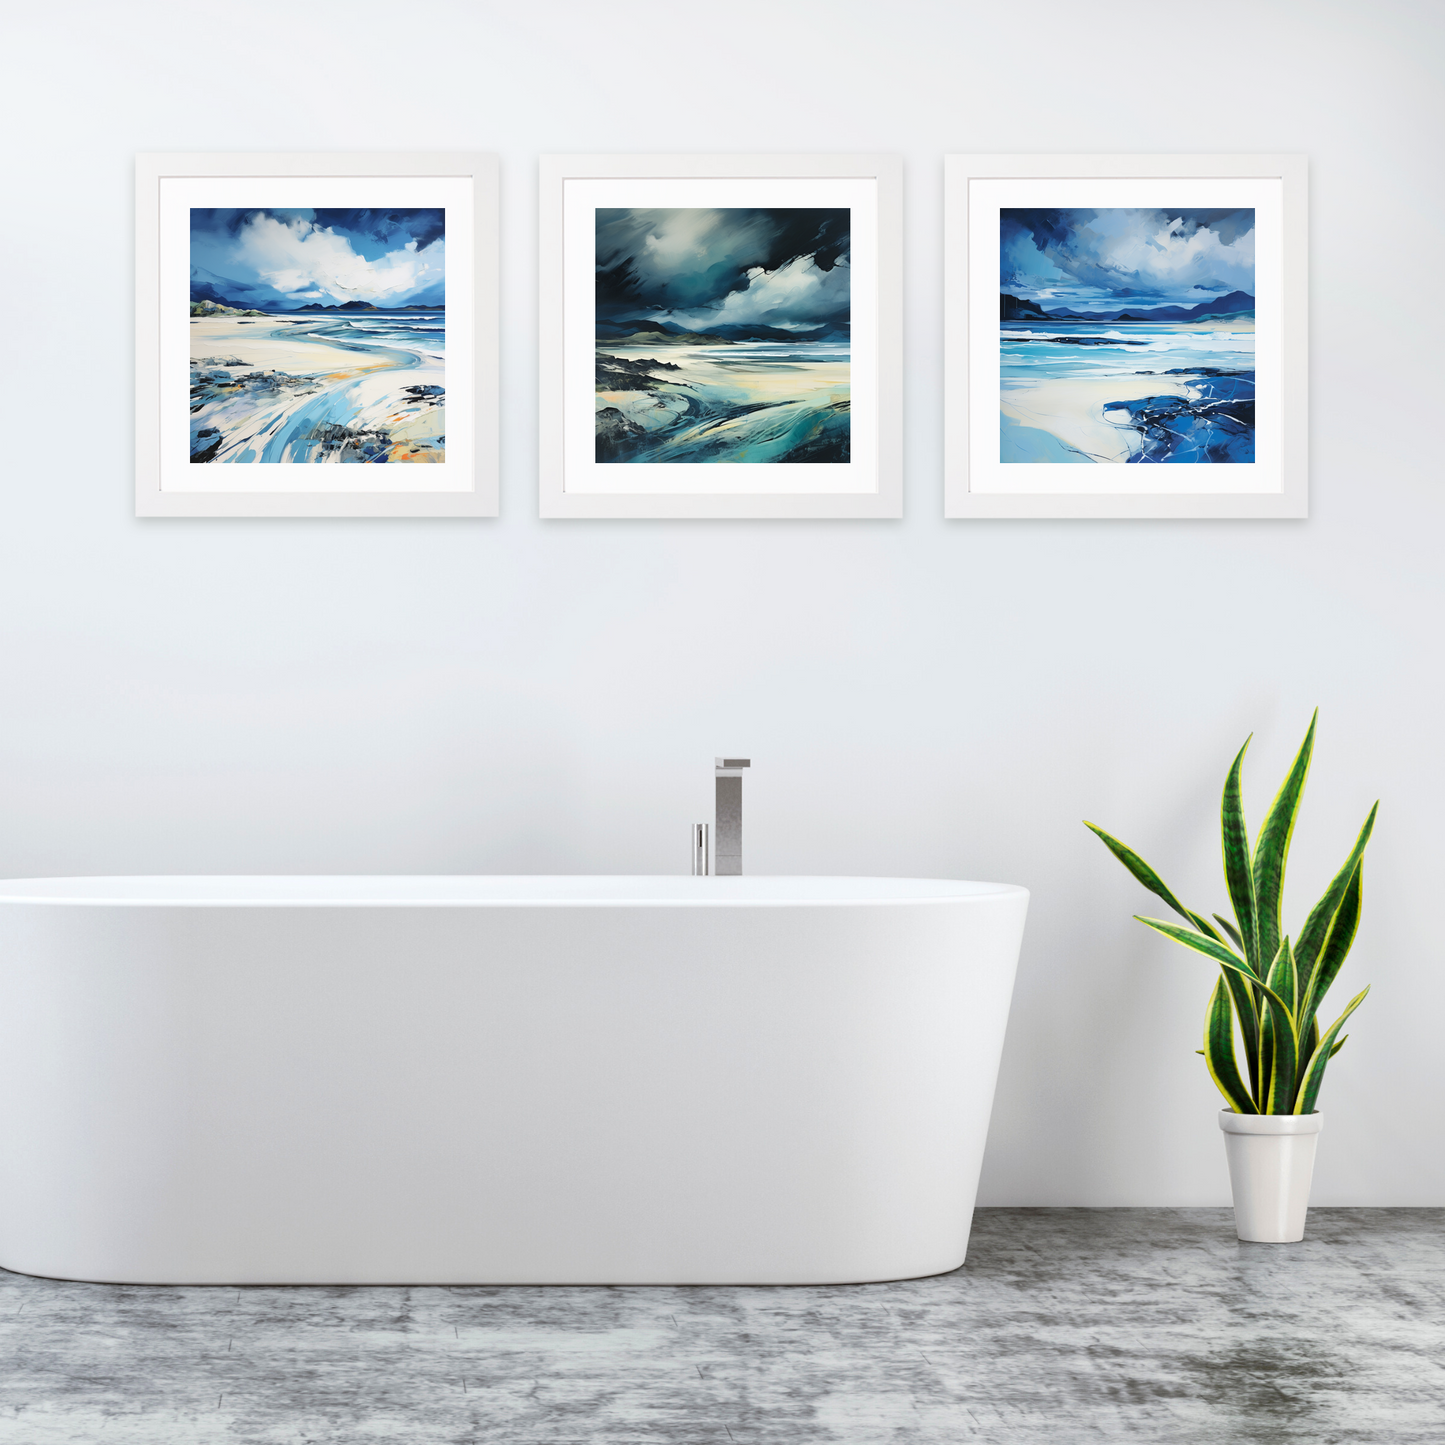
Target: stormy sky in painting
<point x="1090" y="262"/>
<point x="283" y="259"/>
<point x="723" y="335"/>
<point x="699" y="269"/>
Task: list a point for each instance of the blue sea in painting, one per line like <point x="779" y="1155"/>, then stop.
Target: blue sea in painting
<point x="1126" y="336"/>
<point x="723" y="336"/>
<point x="318" y="336"/>
<point x="1161" y="392"/>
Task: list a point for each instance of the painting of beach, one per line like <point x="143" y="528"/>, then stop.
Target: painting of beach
<point x="317" y="335"/>
<point x="1127" y="335"/>
<point x="722" y="335"/>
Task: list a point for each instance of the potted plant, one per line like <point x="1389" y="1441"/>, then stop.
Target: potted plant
<point x="1270" y="990"/>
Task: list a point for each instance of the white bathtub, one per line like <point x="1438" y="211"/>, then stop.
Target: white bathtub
<point x="497" y="1080"/>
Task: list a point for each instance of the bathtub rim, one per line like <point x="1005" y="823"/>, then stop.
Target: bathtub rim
<point x="497" y="890"/>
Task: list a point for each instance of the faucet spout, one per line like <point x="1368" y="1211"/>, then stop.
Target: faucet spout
<point x="728" y="820"/>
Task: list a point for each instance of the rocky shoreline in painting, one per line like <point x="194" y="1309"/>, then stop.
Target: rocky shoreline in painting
<point x="1212" y="421"/>
<point x="1126" y="336"/>
<point x="301" y="394"/>
<point x="723" y="336"/>
<point x="705" y="408"/>
<point x="231" y="408"/>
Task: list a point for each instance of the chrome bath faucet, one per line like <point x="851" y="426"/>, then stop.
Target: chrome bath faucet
<point x="728" y="815"/>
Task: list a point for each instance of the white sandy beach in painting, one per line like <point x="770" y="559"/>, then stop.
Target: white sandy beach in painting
<point x="272" y="343"/>
<point x="367" y="388"/>
<point x="1072" y="411"/>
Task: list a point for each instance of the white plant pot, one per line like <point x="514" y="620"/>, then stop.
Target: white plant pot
<point x="1271" y="1163"/>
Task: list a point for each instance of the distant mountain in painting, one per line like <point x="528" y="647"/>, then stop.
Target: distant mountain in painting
<point x="1236" y="303"/>
<point x="1127" y="335"/>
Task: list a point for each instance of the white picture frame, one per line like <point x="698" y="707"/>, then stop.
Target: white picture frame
<point x="463" y="429"/>
<point x="983" y="477"/>
<point x="574" y="483"/>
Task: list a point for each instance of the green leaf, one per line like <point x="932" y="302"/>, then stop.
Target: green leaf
<point x="1313" y="1074"/>
<point x="1266" y="1056"/>
<point x="1231" y="930"/>
<point x="1317" y="925"/>
<point x="1339" y="1044"/>
<point x="1205" y="927"/>
<point x="1238" y="873"/>
<point x="1219" y="1051"/>
<point x="1344" y="921"/>
<point x="1283" y="976"/>
<point x="1271" y="851"/>
<point x="1266" y="1036"/>
<point x="1142" y="871"/>
<point x="1279" y="1037"/>
<point x="1246" y="1008"/>
<point x="1332" y="956"/>
<point x="1277" y="1031"/>
<point x="1209" y="947"/>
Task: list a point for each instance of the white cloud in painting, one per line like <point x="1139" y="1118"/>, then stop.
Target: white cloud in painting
<point x="1116" y="252"/>
<point x="798" y="294"/>
<point x="301" y="260"/>
<point x="1168" y="252"/>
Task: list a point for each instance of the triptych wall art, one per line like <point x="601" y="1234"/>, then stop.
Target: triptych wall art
<point x="721" y="336"/>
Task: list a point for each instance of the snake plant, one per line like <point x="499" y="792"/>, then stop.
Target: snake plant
<point x="1271" y="989"/>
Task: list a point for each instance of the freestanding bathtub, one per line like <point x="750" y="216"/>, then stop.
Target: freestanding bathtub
<point x="497" y="1080"/>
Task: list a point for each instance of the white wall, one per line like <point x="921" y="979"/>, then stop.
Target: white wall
<point x="918" y="697"/>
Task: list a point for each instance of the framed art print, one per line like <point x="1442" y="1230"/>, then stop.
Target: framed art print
<point x="316" y="336"/>
<point x="1126" y="336"/>
<point x="720" y="336"/>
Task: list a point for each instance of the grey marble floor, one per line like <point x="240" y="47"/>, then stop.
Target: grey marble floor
<point x="1065" y="1325"/>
